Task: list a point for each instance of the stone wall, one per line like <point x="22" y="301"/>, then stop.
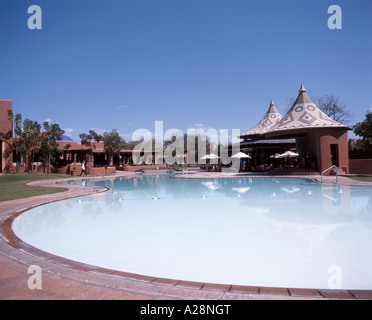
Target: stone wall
<point x="360" y="166"/>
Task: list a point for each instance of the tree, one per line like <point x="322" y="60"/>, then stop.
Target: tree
<point x="364" y="129"/>
<point x="190" y="144"/>
<point x="195" y="143"/>
<point x="49" y="146"/>
<point x="17" y="127"/>
<point x="128" y="145"/>
<point x="86" y="140"/>
<point x="31" y="138"/>
<point x="112" y="143"/>
<point x="334" y="108"/>
<point x="27" y="140"/>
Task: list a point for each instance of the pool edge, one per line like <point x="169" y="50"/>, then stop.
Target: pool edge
<point x="124" y="285"/>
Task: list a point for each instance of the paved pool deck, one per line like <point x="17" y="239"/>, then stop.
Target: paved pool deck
<point x="71" y="280"/>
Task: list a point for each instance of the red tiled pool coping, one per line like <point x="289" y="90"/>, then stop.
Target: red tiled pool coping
<point x="68" y="278"/>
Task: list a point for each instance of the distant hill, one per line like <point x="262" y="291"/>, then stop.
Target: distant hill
<point x="66" y="138"/>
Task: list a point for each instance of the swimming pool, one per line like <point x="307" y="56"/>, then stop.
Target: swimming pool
<point x="284" y="232"/>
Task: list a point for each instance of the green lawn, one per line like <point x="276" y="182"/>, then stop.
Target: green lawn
<point x="362" y="177"/>
<point x="13" y="186"/>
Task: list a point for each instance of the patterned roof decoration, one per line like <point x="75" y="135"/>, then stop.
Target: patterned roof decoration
<point x="271" y="118"/>
<point x="304" y="114"/>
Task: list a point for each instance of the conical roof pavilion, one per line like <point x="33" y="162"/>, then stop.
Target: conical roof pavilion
<point x="270" y="119"/>
<point x="304" y="114"/>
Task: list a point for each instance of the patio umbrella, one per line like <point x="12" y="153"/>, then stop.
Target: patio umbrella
<point x="289" y="154"/>
<point x="210" y="156"/>
<point x="275" y="156"/>
<point x="241" y="155"/>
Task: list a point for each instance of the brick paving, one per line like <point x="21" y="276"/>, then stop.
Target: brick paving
<point x="66" y="279"/>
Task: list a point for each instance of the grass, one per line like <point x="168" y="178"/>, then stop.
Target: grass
<point x="13" y="186"/>
<point x="361" y="177"/>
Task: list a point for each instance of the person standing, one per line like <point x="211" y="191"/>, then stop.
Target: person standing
<point x="83" y="169"/>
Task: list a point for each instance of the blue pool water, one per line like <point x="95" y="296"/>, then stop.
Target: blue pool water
<point x="250" y="231"/>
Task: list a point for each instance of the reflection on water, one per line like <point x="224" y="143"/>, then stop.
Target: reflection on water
<point x="255" y="231"/>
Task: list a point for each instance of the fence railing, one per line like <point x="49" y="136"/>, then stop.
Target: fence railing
<point x="332" y="167"/>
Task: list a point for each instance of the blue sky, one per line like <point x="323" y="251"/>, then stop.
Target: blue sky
<point x="121" y="64"/>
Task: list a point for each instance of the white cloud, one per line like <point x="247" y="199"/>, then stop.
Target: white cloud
<point x="100" y="131"/>
<point x="121" y="107"/>
<point x="48" y="120"/>
<point x="69" y="132"/>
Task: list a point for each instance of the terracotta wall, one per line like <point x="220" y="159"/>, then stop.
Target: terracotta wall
<point x="5" y="124"/>
<point x="75" y="169"/>
<point x="328" y="137"/>
<point x="134" y="168"/>
<point x="360" y="166"/>
<point x="63" y="170"/>
<point x="6" y="134"/>
<point x="37" y="168"/>
<point x="102" y="170"/>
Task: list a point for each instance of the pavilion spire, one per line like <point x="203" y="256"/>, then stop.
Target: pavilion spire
<point x="304" y="114"/>
<point x="270" y="119"/>
<point x="302" y="89"/>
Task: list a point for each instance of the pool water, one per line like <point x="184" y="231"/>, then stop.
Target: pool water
<point x="284" y="232"/>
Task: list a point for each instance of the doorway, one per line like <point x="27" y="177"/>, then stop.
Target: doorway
<point x="334" y="154"/>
